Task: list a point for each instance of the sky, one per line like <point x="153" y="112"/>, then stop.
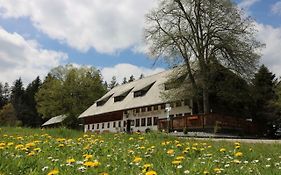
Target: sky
<point x="38" y="35"/>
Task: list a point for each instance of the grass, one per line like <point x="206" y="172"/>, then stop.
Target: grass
<point x="63" y="151"/>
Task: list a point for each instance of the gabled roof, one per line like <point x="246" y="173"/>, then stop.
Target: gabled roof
<point x="55" y="120"/>
<point x="150" y="98"/>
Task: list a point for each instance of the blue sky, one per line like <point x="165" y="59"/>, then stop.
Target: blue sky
<point x="37" y="35"/>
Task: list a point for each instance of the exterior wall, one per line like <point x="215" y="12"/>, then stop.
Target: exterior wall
<point x="140" y="118"/>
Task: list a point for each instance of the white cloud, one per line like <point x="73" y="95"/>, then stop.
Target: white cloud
<point x="107" y="26"/>
<point x="24" y="58"/>
<point x="276" y="8"/>
<point x="126" y="70"/>
<point x="246" y="4"/>
<point x="272" y="53"/>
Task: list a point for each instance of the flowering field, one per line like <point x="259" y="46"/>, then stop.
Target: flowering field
<point x="61" y="151"/>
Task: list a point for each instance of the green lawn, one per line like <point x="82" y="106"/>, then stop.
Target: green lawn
<point x="62" y="151"/>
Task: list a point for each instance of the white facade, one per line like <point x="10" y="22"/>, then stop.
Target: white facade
<point x="141" y="118"/>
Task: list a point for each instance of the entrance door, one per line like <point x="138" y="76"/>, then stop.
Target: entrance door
<point x="128" y="126"/>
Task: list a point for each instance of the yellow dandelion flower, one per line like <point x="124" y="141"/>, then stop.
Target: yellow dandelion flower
<point x="31" y="144"/>
<point x="53" y="172"/>
<point x="222" y="150"/>
<point x="88" y="156"/>
<point x="137" y="159"/>
<point x="238" y="154"/>
<point x="60" y="139"/>
<point x="180" y="158"/>
<point x="176" y="162"/>
<point x="70" y="160"/>
<point x="146" y="167"/>
<point x="61" y="145"/>
<point x="205" y="172"/>
<point x="217" y="170"/>
<point x="19" y="146"/>
<point x="236" y="161"/>
<point x="170" y="151"/>
<point x="37" y="149"/>
<point x="92" y="164"/>
<point x="32" y="153"/>
<point x="151" y="173"/>
<point x="179" y="145"/>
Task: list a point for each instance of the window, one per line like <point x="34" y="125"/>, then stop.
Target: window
<point x="124" y="123"/>
<point x="172" y="105"/>
<point x="155" y="107"/>
<point x="137" y="110"/>
<point x="178" y="115"/>
<point x="103" y="100"/>
<point x="119" y="124"/>
<point x="178" y="103"/>
<point x="155" y="120"/>
<point x="142" y="91"/>
<point x="143" y="121"/>
<point x="102" y="125"/>
<point x="143" y="109"/>
<point x="118" y="98"/>
<point x="114" y="124"/>
<point x="132" y="122"/>
<point x="137" y="122"/>
<point x="163" y="106"/>
<point x="149" y="121"/>
<point x="171" y="116"/>
<point x="98" y="126"/>
<point x="149" y="108"/>
<point x="108" y="125"/>
<point x="88" y="127"/>
<point x="93" y="126"/>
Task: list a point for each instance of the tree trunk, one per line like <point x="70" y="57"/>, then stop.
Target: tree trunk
<point x="206" y="102"/>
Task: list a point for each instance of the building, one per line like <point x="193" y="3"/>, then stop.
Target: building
<point x="54" y="121"/>
<point x="135" y="106"/>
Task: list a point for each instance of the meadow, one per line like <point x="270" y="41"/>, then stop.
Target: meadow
<point x="68" y="152"/>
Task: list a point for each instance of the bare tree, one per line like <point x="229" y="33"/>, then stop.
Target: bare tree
<point x="201" y="33"/>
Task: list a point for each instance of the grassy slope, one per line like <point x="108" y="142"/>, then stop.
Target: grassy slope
<point x="117" y="154"/>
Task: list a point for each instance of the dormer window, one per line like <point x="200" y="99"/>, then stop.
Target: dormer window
<point x="143" y="90"/>
<point x="122" y="95"/>
<point x="103" y="100"/>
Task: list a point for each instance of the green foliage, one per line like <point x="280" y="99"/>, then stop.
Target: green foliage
<point x="229" y="93"/>
<point x="264" y="96"/>
<point x="69" y="90"/>
<point x="200" y="33"/>
<point x="8" y="116"/>
<point x="18" y="99"/>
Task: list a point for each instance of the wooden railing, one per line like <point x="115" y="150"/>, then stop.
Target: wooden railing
<point x="212" y="122"/>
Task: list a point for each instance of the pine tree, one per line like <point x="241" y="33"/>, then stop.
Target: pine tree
<point x="113" y="83"/>
<point x="141" y="76"/>
<point x="124" y="80"/>
<point x="32" y="118"/>
<point x="131" y="79"/>
<point x="264" y="96"/>
<point x="17" y="99"/>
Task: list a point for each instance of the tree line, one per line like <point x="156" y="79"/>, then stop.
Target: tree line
<point x="65" y="90"/>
